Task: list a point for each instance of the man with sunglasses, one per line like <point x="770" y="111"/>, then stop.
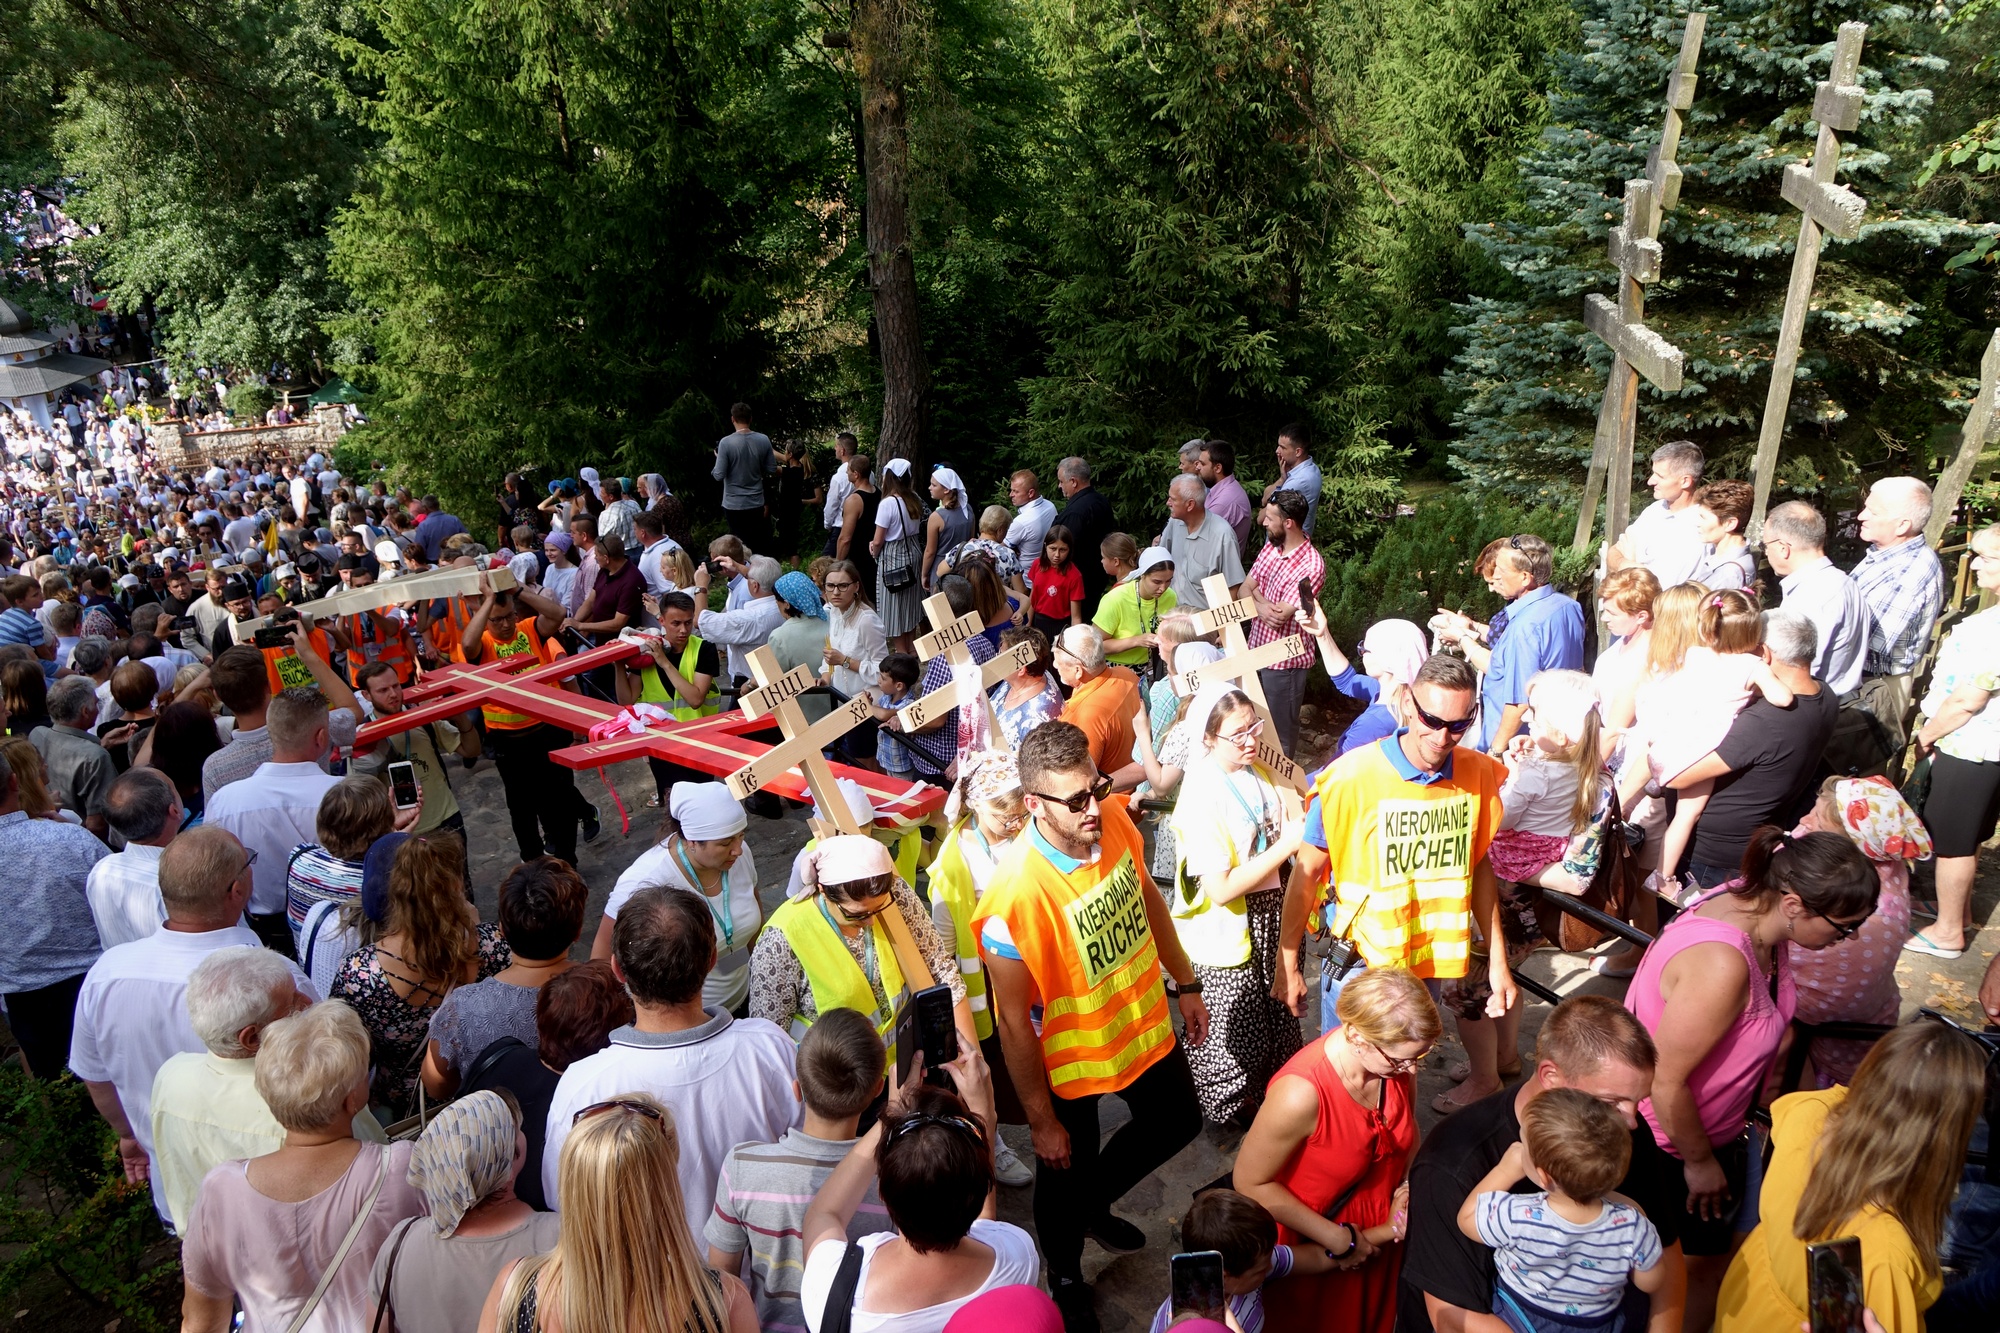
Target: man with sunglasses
<point x="1074" y="936"/>
<point x="1400" y="830"/>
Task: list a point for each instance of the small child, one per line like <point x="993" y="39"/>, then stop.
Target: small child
<point x="764" y="1188"/>
<point x="1558" y="788"/>
<point x="1694" y="693"/>
<point x="1563" y="1255"/>
<point x="1246" y="1235"/>
<point x="1055" y="585"/>
<point x="894" y="687"/>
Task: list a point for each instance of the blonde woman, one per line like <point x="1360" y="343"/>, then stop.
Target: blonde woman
<point x="1336" y="1134"/>
<point x="1879" y="1161"/>
<point x="626" y="1262"/>
<point x="32" y="776"/>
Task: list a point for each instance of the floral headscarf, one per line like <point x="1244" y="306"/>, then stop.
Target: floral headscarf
<point x="1880" y="821"/>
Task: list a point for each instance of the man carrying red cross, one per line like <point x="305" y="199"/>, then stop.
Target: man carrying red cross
<point x="542" y="799"/>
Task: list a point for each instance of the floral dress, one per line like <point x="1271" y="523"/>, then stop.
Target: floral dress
<point x="398" y="1028"/>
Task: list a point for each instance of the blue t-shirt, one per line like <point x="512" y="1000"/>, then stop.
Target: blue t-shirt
<point x="1544" y="632"/>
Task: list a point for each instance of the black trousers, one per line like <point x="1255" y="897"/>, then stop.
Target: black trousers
<point x="666" y="774"/>
<point x="1165" y="1119"/>
<point x="752" y="526"/>
<point x="1284" y="691"/>
<point x="542" y="799"/>
<point x="42" y="1020"/>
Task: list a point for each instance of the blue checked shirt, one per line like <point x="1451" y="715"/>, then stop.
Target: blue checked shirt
<point x="1904" y="588"/>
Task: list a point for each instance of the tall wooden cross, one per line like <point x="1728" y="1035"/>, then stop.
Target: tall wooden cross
<point x="1635" y="249"/>
<point x="1823" y="207"/>
<point x="948" y="638"/>
<point x="1240" y="663"/>
<point x="428" y="586"/>
<point x="778" y="692"/>
<point x="1982" y="427"/>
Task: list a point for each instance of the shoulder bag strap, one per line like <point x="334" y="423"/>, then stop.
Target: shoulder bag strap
<point x="489" y="1058"/>
<point x="340" y="1255"/>
<point x="389" y="1276"/>
<point x="838" y="1316"/>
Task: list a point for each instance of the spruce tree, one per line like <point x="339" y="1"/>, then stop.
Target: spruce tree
<point x="1891" y="334"/>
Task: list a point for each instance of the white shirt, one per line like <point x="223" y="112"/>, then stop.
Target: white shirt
<point x="856" y="633"/>
<point x="837" y="491"/>
<point x="131" y="1018"/>
<point x="727" y="1082"/>
<point x="124" y="894"/>
<point x="1030" y="526"/>
<point x="274" y="811"/>
<point x="728" y="983"/>
<point x="1667" y="542"/>
<point x="1015" y="1263"/>
<point x="1825" y="595"/>
<point x="741" y="631"/>
<point x="656" y="578"/>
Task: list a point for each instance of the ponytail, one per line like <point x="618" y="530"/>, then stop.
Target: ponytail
<point x="1587" y="755"/>
<point x="1826" y="871"/>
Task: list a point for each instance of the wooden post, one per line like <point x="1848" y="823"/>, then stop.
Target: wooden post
<point x="1617" y="414"/>
<point x="1240" y="663"/>
<point x="1982" y="427"/>
<point x="1823" y="206"/>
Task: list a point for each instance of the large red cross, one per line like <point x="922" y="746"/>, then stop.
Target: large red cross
<point x="720" y="744"/>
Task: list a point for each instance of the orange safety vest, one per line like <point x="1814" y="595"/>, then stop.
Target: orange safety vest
<point x="391" y="643"/>
<point x="1085" y="938"/>
<point x="525" y="643"/>
<point x="283" y="669"/>
<point x="447" y="634"/>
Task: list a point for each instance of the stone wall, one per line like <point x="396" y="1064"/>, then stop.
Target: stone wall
<point x="175" y="446"/>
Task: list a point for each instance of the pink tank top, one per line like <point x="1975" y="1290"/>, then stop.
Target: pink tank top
<point x="1727" y="1082"/>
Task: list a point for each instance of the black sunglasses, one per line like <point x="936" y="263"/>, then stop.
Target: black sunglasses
<point x="1457" y="727"/>
<point x="1077" y="804"/>
<point x="619" y="1104"/>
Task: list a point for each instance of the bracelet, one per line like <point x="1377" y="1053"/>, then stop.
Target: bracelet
<point x="1188" y="987"/>
<point x="1353" y="1239"/>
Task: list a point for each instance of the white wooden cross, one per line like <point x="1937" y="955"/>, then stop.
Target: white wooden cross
<point x="778" y="692"/>
<point x="1635" y="249"/>
<point x="1240" y="663"/>
<point x="1823" y="206"/>
<point x="1982" y="427"/>
<point x="948" y="638"/>
<point x="453" y="582"/>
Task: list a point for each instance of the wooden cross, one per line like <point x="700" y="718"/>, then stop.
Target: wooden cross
<point x="1823" y="206"/>
<point x="778" y="692"/>
<point x="1635" y="249"/>
<point x="948" y="638"/>
<point x="455" y="582"/>
<point x="1982" y="427"/>
<point x="1240" y="663"/>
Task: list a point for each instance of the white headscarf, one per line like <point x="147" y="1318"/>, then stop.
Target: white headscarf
<point x="1151" y="556"/>
<point x="858" y="803"/>
<point x="706" y="811"/>
<point x="1398" y="647"/>
<point x="899" y="466"/>
<point x="948" y="479"/>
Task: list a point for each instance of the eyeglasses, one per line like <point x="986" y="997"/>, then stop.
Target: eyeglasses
<point x="831" y="586"/>
<point x="249" y="858"/>
<point x="1077" y="804"/>
<point x="651" y="1113"/>
<point x="1454" y="726"/>
<point x="1247" y="738"/>
<point x="1397" y="1065"/>
<point x="1842" y="930"/>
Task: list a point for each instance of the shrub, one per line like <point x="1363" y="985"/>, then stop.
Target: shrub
<point x="249" y="399"/>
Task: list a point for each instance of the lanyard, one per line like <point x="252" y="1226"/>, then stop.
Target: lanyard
<point x="725" y="918"/>
<point x="870" y="969"/>
<point x="1261" y="816"/>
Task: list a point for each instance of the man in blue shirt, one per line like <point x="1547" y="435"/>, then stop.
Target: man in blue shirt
<point x="434" y="528"/>
<point x="1297" y="471"/>
<point x="1538" y="630"/>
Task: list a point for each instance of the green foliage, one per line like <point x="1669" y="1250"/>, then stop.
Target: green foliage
<point x="65" y="1203"/>
<point x="1424" y="561"/>
<point x="1891" y="335"/>
<point x="249" y="399"/>
<point x="589" y="231"/>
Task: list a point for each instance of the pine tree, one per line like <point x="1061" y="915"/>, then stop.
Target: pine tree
<point x="1891" y="336"/>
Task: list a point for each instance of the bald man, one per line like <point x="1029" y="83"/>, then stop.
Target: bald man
<point x="1903" y="583"/>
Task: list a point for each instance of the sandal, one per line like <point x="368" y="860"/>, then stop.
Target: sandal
<point x="1920" y="943"/>
<point x="1604" y="967"/>
<point x="1461" y="1070"/>
<point x="1447" y="1102"/>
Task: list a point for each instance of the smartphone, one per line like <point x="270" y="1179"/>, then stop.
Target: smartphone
<point x="182" y="624"/>
<point x="1197" y="1285"/>
<point x="403" y="782"/>
<point x="1306" y="597"/>
<point x="273" y="636"/>
<point x="903" y="1033"/>
<point x="937" y="1035"/>
<point x="1833" y="1285"/>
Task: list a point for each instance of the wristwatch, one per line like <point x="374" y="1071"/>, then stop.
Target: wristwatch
<point x="1188" y="987"/>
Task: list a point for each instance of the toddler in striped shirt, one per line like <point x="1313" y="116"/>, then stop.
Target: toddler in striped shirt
<point x="1563" y="1254"/>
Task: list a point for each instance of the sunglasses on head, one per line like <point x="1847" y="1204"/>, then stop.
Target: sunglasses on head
<point x="619" y="1104"/>
<point x="1077" y="804"/>
<point x="1456" y="726"/>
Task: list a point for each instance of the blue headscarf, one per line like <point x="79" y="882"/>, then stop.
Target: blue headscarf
<point x="801" y="594"/>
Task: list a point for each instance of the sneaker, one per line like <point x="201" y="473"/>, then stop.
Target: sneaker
<point x="1079" y="1309"/>
<point x="1008" y="1168"/>
<point x="1115" y="1235"/>
<point x="592" y="825"/>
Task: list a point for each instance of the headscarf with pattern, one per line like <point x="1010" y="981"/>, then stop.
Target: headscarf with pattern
<point x="1880" y="821"/>
<point x="465" y="1154"/>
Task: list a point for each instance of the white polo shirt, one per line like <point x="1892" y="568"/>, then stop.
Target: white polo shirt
<point x="727" y="1082"/>
<point x="273" y="810"/>
<point x="124" y="894"/>
<point x="132" y="1017"/>
<point x="1667" y="542"/>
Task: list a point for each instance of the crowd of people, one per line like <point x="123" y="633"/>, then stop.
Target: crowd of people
<point x="359" y="1104"/>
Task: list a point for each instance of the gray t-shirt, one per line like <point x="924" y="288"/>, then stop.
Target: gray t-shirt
<point x="471" y="1018"/>
<point x="441" y="1281"/>
<point x="742" y="461"/>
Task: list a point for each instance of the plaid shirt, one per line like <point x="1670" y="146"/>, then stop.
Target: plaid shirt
<point x="1276" y="577"/>
<point x="1904" y="588"/>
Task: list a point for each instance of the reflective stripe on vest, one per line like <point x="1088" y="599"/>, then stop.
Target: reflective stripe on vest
<point x="388" y="644"/>
<point x="284" y="669"/>
<point x="525" y="643"/>
<point x="653" y="687"/>
<point x="951" y="884"/>
<point x="837" y="981"/>
<point x="1088" y="945"/>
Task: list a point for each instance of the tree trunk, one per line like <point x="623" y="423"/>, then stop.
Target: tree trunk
<point x="892" y="276"/>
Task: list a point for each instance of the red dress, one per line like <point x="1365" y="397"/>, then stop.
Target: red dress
<point x="1349" y="1143"/>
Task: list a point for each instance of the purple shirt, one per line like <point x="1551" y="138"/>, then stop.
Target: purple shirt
<point x="1228" y="501"/>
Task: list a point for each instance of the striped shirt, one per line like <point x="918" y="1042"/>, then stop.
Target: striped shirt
<point x="20" y="626"/>
<point x="1574" y="1270"/>
<point x="760" y="1205"/>
<point x="1247" y="1308"/>
<point x="1904" y="588"/>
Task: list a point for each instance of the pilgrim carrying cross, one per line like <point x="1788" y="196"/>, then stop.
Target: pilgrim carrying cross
<point x="1982" y="426"/>
<point x="948" y="638"/>
<point x="1823" y="206"/>
<point x="1240" y="663"/>
<point x="778" y="692"/>
<point x="1635" y="249"/>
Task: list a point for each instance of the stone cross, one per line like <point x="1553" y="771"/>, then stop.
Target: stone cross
<point x="1823" y="206"/>
<point x="1982" y="427"/>
<point x="1635" y="249"/>
<point x="1240" y="663"/>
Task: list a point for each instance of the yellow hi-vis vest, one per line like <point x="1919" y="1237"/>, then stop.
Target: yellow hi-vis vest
<point x="653" y="687"/>
<point x="837" y="980"/>
<point x="951" y="885"/>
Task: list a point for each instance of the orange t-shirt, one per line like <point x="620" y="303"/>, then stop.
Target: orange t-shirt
<point x="1102" y="709"/>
